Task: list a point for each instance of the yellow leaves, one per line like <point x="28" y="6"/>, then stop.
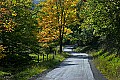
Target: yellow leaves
<point x="1" y="49"/>
<point x="6" y="22"/>
<point x="70" y="3"/>
<point x="67" y="31"/>
<point x="1" y="22"/>
<point x="2" y="55"/>
<point x="3" y="9"/>
<point x="47" y="35"/>
<point x="9" y="25"/>
<point x="14" y="14"/>
<point x="2" y="3"/>
<point x="45" y="45"/>
<point x="53" y="18"/>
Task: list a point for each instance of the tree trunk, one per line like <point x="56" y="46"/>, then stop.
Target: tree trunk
<point x="61" y="26"/>
<point x="60" y="42"/>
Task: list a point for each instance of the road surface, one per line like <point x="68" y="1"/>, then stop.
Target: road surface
<point x="77" y="67"/>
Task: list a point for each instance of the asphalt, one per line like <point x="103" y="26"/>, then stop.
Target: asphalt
<point x="76" y="67"/>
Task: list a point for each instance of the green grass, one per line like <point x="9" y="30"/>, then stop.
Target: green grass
<point x="24" y="72"/>
<point x="82" y="49"/>
<point x="107" y="63"/>
<point x="4" y="73"/>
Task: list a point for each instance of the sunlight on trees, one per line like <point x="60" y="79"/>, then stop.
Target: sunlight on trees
<point x="17" y="27"/>
<point x="27" y="28"/>
<point x="54" y="17"/>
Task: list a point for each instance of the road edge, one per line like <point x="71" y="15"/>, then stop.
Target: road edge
<point x="96" y="73"/>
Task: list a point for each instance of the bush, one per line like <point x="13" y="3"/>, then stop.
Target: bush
<point x="108" y="64"/>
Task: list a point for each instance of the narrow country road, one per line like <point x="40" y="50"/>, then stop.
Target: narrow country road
<point x="77" y="67"/>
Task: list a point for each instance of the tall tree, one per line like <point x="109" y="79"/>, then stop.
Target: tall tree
<point x="18" y="27"/>
<point x="55" y="16"/>
<point x="103" y="17"/>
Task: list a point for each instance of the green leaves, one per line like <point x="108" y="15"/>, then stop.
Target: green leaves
<point x="22" y="38"/>
<point x="103" y="17"/>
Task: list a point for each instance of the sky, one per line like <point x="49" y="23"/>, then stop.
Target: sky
<point x="37" y="1"/>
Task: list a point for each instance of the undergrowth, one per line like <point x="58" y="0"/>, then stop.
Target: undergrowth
<point x="108" y="63"/>
<point x="26" y="71"/>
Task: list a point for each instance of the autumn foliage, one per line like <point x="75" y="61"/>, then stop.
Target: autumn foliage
<point x="55" y="17"/>
<point x="6" y="21"/>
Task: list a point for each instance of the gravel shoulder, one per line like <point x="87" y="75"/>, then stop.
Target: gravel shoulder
<point x="96" y="72"/>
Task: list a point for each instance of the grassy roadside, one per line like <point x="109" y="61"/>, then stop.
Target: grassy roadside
<point x="82" y="49"/>
<point x="25" y="72"/>
<point x="107" y="63"/>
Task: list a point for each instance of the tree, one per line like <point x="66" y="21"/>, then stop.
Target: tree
<point x="54" y="17"/>
<point x="103" y="17"/>
<point x="18" y="27"/>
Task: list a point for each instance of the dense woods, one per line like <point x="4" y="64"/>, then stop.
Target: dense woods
<point x="38" y="29"/>
<point x="99" y="33"/>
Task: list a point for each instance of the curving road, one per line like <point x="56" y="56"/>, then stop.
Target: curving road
<point x="77" y="67"/>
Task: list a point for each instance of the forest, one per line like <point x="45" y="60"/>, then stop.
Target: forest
<point x="32" y="36"/>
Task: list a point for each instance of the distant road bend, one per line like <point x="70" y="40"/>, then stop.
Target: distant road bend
<point x="77" y="67"/>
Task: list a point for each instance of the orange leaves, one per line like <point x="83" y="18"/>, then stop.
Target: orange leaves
<point x="6" y="23"/>
<point x="47" y="35"/>
<point x="54" y="0"/>
<point x="56" y="15"/>
<point x="4" y="11"/>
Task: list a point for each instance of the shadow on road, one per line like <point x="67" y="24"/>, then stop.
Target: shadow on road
<point x="83" y="56"/>
<point x="67" y="64"/>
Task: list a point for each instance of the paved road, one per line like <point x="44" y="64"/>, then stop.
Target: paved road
<point x="76" y="67"/>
